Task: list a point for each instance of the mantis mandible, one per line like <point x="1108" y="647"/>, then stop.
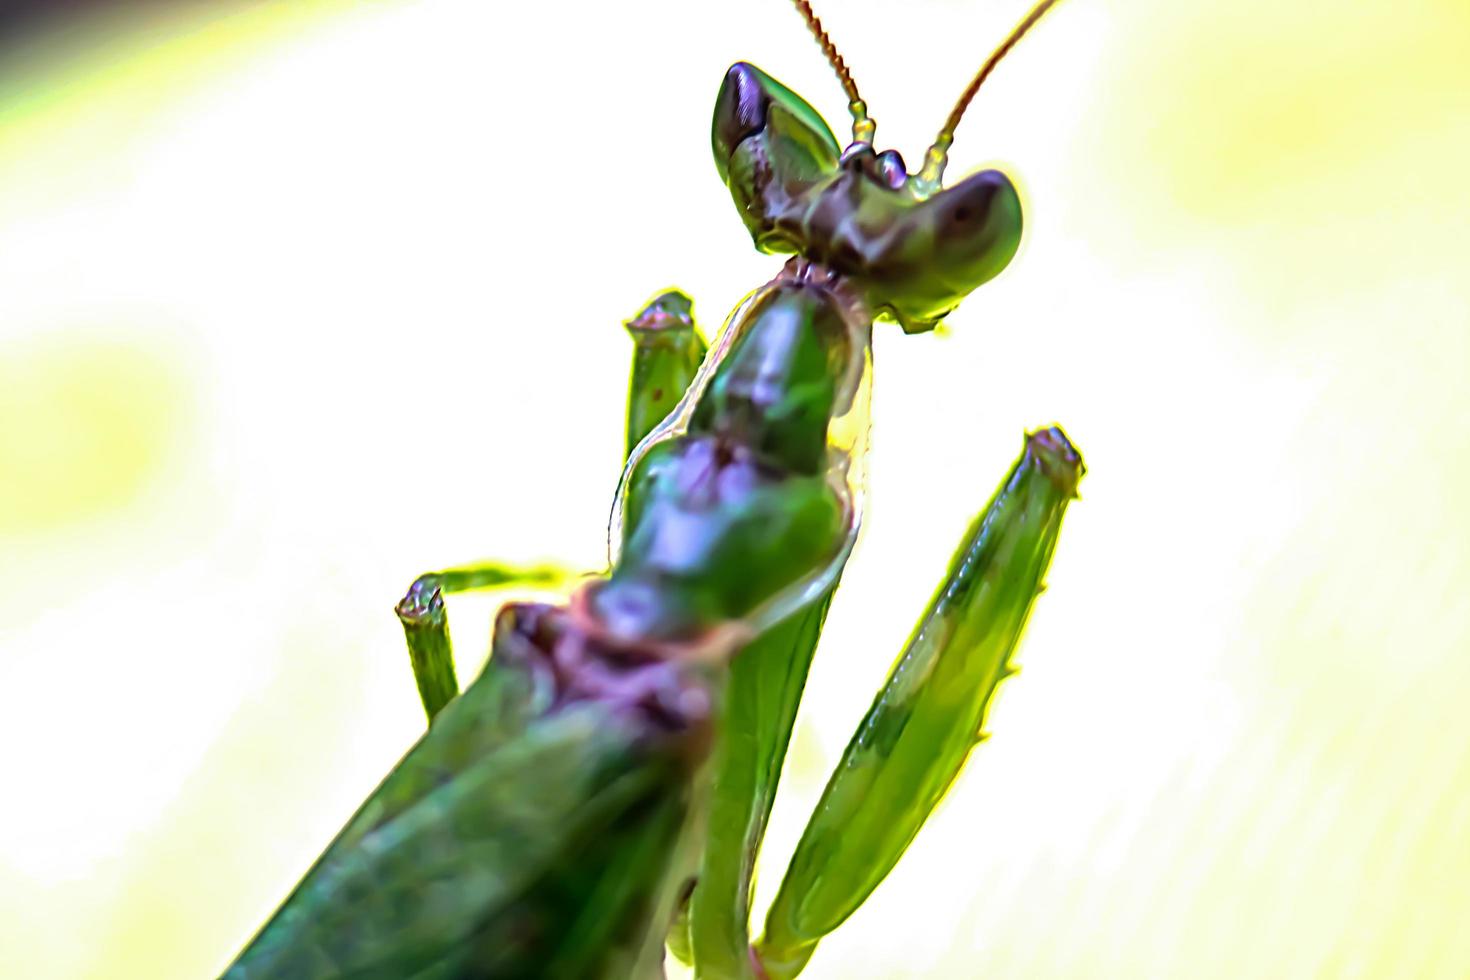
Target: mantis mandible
<point x="602" y="788"/>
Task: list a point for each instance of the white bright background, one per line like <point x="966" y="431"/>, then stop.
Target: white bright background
<point x="298" y="301"/>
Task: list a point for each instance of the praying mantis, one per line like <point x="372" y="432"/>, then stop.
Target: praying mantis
<point x="600" y="792"/>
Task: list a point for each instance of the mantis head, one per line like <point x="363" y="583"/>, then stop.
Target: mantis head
<point x="914" y="247"/>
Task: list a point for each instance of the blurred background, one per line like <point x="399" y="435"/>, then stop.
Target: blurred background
<point x="300" y="300"/>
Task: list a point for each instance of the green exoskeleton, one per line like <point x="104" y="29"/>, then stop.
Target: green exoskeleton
<point x="602" y="788"/>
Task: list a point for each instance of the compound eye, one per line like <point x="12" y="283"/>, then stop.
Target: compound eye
<point x="740" y="111"/>
<point x="753" y="105"/>
<point x="970" y="208"/>
<point x="943" y="247"/>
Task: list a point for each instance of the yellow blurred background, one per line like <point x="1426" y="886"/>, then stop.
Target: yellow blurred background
<point x="300" y="300"/>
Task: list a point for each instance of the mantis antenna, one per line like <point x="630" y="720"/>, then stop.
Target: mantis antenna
<point x="863" y="126"/>
<point x="937" y="157"/>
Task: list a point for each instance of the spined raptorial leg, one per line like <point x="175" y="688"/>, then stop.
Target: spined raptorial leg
<point x="667" y="350"/>
<point x="426" y="625"/>
<point x="928" y="714"/>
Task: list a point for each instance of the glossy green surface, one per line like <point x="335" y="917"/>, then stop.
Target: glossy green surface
<point x="929" y="713"/>
<point x="686" y="569"/>
<point x="776" y="390"/>
<point x="726" y="514"/>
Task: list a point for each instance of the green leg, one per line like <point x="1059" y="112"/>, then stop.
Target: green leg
<point x="928" y="714"/>
<point x="667" y="349"/>
<point x="761" y="697"/>
<point x="426" y="626"/>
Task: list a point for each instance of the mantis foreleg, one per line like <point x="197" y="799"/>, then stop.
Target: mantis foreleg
<point x="667" y="349"/>
<point x="928" y="714"/>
